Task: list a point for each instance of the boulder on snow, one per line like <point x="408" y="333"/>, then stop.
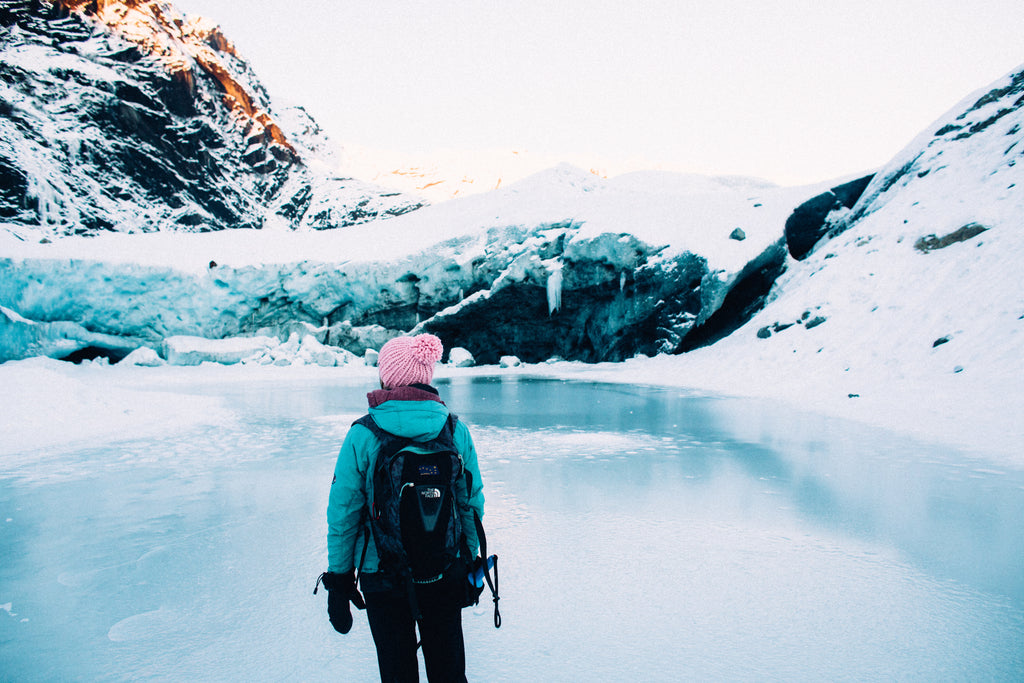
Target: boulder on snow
<point x="370" y="357"/>
<point x="461" y="358"/>
<point x="509" y="362"/>
<point x="809" y="222"/>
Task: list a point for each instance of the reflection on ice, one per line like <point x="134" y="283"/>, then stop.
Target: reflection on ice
<point x="639" y="530"/>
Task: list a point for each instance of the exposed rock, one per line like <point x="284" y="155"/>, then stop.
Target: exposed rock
<point x="809" y="221"/>
<point x="739" y="302"/>
<point x="931" y="242"/>
<point x="805" y="320"/>
<point x="992" y="121"/>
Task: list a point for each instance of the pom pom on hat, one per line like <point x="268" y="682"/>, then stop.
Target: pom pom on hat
<point x="409" y="360"/>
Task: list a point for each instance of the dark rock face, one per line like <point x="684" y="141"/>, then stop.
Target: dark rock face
<point x="102" y="133"/>
<point x="605" y="314"/>
<point x="808" y="223"/>
<point x="965" y="127"/>
<point x="743" y="300"/>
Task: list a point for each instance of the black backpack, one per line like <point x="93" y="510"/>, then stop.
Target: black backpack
<point x="414" y="515"/>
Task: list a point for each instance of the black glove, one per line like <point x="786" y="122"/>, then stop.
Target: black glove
<point x="341" y="589"/>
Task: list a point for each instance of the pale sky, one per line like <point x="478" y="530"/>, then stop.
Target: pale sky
<point x="794" y="91"/>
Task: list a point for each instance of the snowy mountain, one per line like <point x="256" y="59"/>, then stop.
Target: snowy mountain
<point x="130" y="117"/>
<point x="441" y="175"/>
<point x="912" y="302"/>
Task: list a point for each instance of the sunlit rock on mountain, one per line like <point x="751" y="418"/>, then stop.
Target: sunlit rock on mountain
<point x="130" y="117"/>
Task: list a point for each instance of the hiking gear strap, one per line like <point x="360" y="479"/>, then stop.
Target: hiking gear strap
<point x="492" y="586"/>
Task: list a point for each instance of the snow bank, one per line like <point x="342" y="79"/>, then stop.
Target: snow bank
<point x="48" y="404"/>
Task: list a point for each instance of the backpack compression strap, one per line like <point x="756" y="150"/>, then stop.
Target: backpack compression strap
<point x="481" y="538"/>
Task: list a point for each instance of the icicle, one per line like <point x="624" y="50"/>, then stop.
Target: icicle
<point x="48" y="205"/>
<point x="622" y="280"/>
<point x="554" y="287"/>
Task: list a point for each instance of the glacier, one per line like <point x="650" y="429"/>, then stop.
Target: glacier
<point x="638" y="270"/>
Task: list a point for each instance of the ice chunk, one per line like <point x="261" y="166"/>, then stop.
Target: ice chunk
<point x="461" y="358"/>
<point x="187" y="350"/>
<point x="145" y="357"/>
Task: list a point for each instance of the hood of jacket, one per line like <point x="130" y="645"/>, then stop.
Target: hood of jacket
<point x="408" y="412"/>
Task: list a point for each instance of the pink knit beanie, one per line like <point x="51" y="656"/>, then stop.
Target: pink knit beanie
<point x="409" y="360"/>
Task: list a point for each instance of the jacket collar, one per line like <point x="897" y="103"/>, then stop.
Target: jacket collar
<point x="416" y="392"/>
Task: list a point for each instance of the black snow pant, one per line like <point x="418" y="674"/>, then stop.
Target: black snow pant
<point x="394" y="631"/>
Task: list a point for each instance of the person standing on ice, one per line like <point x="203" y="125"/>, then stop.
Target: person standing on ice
<point x="405" y="410"/>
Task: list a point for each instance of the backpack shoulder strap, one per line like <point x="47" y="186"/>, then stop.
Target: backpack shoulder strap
<point x="368" y="422"/>
<point x="447" y="434"/>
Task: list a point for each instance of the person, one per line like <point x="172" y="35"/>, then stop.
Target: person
<point x="407" y="406"/>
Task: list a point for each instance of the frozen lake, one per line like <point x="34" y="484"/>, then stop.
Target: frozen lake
<point x="644" y="534"/>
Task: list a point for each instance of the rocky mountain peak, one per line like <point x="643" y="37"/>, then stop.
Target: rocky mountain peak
<point x="128" y="116"/>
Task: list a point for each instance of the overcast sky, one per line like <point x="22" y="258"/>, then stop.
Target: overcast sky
<point x="789" y="90"/>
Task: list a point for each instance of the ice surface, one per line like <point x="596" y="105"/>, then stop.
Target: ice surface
<point x="638" y="530"/>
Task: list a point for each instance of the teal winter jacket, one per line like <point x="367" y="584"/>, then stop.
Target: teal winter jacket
<point x="408" y="412"/>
